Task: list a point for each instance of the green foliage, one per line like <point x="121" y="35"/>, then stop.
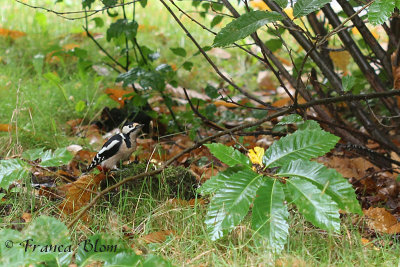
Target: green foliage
<point x="122" y="27"/>
<point x="179" y="51"/>
<point x="304" y="7"/>
<point x="348" y="82"/>
<point x="228" y="155"/>
<point x="44" y="231"/>
<point x="17" y="169"/>
<point x="290" y="119"/>
<point x="305" y="145"/>
<point x="11" y="170"/>
<point x="60" y="156"/>
<point x="244" y="25"/>
<point x="381" y="10"/>
<point x="317" y="192"/>
<point x="282" y="3"/>
<point x="270" y="214"/>
<point x="47" y="241"/>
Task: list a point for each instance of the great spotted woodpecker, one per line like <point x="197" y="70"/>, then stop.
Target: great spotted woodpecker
<point x="117" y="148"/>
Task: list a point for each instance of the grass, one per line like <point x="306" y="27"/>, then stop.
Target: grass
<point x="39" y="109"/>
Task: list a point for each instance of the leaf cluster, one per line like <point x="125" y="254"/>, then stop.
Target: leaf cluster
<point x="288" y="177"/>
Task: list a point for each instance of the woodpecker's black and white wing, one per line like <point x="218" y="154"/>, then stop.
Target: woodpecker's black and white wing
<point x="109" y="149"/>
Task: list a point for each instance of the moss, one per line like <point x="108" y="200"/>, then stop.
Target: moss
<point x="173" y="182"/>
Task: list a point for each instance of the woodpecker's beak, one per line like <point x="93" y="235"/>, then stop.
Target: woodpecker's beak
<point x="140" y="126"/>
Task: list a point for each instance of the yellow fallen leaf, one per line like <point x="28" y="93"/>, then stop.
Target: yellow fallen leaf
<point x="256" y="154"/>
<point x="340" y="59"/>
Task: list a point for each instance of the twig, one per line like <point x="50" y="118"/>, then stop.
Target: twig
<point x="198" y="114"/>
<point x="61" y="14"/>
<point x="209" y="59"/>
<point x="230" y="131"/>
<point x="102" y="49"/>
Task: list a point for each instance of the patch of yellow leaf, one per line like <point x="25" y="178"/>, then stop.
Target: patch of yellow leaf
<point x="256" y="154"/>
<point x="373" y="31"/>
<point x="289" y="12"/>
<point x="340" y="59"/>
<point x="260" y="5"/>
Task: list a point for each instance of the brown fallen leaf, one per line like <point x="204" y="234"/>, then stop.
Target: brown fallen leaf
<point x="11" y="33"/>
<point x="79" y="193"/>
<point x="5" y="127"/>
<point x="157" y="237"/>
<point x="27" y="217"/>
<point x="382" y="221"/>
<point x="118" y="95"/>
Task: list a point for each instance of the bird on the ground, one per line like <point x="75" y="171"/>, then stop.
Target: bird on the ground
<point x="118" y="148"/>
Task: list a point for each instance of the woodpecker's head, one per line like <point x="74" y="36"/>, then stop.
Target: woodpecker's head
<point x="132" y="127"/>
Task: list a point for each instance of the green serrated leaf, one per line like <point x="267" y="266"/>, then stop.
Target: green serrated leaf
<point x="290" y="119"/>
<point x="228" y="155"/>
<point x="306" y="144"/>
<point x="308" y="125"/>
<point x="61" y="156"/>
<point x="216" y="20"/>
<point x="179" y="51"/>
<point x="33" y="154"/>
<point x="328" y="180"/>
<point x="244" y="25"/>
<point x="11" y="170"/>
<point x="305" y="7"/>
<point x="216" y="182"/>
<point x="270" y="215"/>
<point x="380" y="11"/>
<point x="282" y="3"/>
<point x="315" y="205"/>
<point x="232" y="202"/>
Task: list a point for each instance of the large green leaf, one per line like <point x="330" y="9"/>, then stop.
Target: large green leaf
<point x="33" y="154"/>
<point x="327" y="180"/>
<point x="380" y="11"/>
<point x="218" y="181"/>
<point x="304" y="144"/>
<point x="228" y="155"/>
<point x="270" y="215"/>
<point x="61" y="156"/>
<point x="305" y="7"/>
<point x="244" y="25"/>
<point x="316" y="206"/>
<point x="232" y="202"/>
<point x="11" y="170"/>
